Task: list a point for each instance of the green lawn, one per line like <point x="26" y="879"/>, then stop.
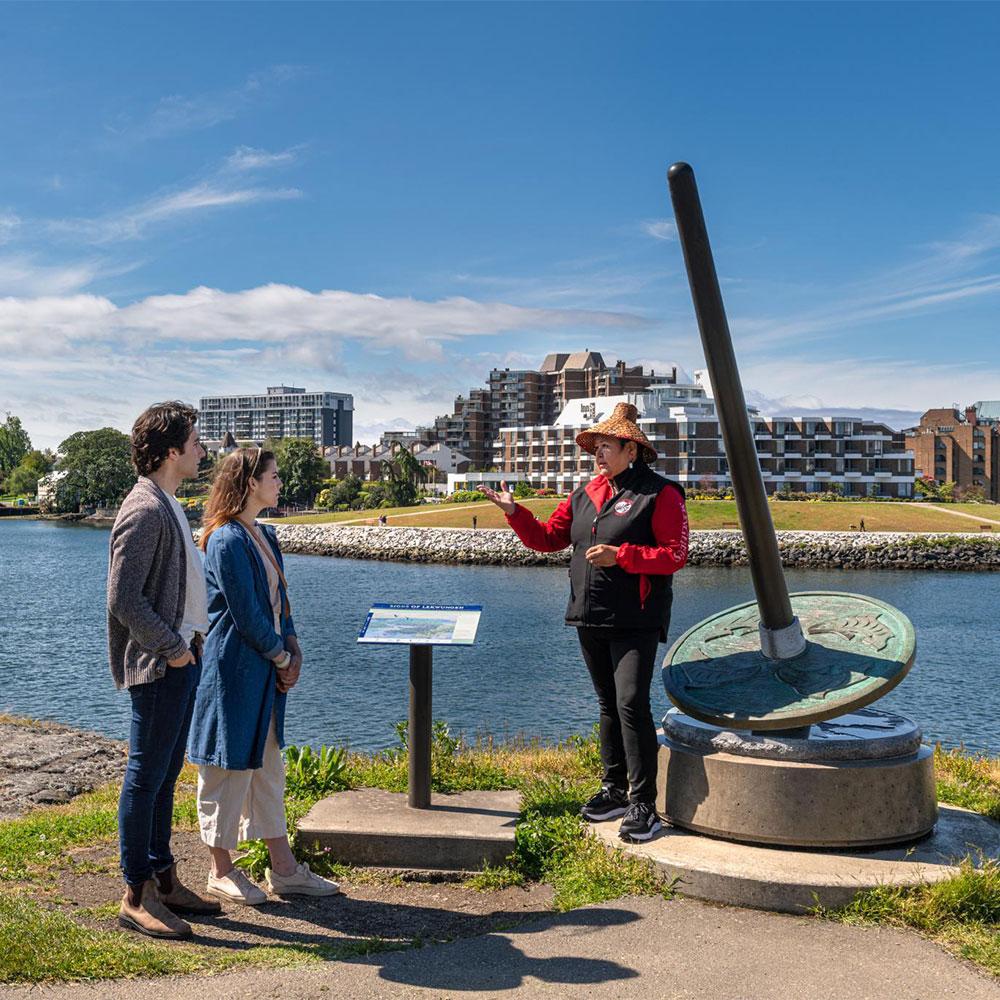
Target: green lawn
<point x="48" y="939"/>
<point x="703" y="515"/>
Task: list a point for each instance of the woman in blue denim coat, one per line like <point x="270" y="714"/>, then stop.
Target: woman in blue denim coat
<point x="250" y="661"/>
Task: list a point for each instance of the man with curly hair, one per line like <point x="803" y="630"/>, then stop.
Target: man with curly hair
<point x="157" y="617"/>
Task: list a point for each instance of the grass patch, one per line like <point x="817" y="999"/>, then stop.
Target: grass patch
<point x="34" y="845"/>
<point x="971" y="782"/>
<point x="552" y="844"/>
<point x="46" y="946"/>
<point x="703" y="515"/>
<point x="962" y="913"/>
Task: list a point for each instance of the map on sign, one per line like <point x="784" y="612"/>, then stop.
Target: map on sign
<point x="422" y="624"/>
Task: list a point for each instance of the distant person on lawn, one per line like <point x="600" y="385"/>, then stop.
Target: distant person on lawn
<point x="252" y="661"/>
<point x="157" y="618"/>
<point x="629" y="532"/>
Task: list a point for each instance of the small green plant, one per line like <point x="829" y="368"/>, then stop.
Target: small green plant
<point x="588" y="749"/>
<point x="542" y="843"/>
<point x="255" y="858"/>
<point x="311" y="774"/>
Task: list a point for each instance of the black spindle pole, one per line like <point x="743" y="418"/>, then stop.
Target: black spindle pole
<point x="737" y="435"/>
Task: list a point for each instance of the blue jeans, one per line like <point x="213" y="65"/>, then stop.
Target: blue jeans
<point x="161" y="717"/>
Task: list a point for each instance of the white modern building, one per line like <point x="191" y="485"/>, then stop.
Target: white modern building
<point x="803" y="454"/>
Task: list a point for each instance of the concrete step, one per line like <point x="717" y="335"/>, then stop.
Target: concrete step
<point x="373" y="828"/>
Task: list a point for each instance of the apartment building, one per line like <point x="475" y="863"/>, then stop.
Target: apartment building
<point x="526" y="397"/>
<point x="813" y="455"/>
<point x="283" y="411"/>
<point x="964" y="448"/>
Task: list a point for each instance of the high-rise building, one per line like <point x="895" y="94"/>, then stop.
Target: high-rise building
<point x="963" y="448"/>
<point x="284" y="411"/>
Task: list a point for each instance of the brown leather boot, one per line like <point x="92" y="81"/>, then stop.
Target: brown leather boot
<point x="179" y="898"/>
<point x="142" y="911"/>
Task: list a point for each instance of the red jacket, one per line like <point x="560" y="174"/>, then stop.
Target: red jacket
<point x="648" y="524"/>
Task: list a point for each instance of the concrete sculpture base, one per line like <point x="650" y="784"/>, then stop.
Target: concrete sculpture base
<point x="794" y="881"/>
<point x="856" y="781"/>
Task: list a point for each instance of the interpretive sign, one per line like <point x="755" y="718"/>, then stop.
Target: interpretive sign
<point x="422" y="624"/>
<point x="421" y="627"/>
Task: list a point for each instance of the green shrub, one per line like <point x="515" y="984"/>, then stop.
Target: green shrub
<point x="465" y="496"/>
<point x="312" y="774"/>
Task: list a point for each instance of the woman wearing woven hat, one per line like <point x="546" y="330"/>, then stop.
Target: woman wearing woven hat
<point x="628" y="529"/>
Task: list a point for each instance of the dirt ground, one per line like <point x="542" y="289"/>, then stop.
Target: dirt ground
<point x="396" y="907"/>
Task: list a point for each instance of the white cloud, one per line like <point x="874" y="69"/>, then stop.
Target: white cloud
<point x="245" y="158"/>
<point x="888" y="383"/>
<point x="280" y="318"/>
<point x="201" y="341"/>
<point x="23" y="275"/>
<point x="659" y="229"/>
<point x="176" y="113"/>
<point x="9" y="224"/>
<point x="947" y="272"/>
<point x="133" y="222"/>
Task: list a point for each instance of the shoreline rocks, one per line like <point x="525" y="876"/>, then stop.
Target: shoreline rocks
<point x="46" y="763"/>
<point x="500" y="547"/>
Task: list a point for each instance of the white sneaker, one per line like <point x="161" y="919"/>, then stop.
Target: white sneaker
<point x="237" y="888"/>
<point x="302" y="883"/>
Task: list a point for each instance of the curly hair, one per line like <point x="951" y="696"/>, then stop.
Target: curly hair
<point x="231" y="486"/>
<point x="158" y="429"/>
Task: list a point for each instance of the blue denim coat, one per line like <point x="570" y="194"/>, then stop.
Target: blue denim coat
<point x="237" y="693"/>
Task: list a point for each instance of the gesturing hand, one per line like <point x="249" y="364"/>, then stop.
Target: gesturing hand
<point x="602" y="555"/>
<point x="504" y="499"/>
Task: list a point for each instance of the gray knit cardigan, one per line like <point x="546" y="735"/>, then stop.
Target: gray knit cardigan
<point x="147" y="579"/>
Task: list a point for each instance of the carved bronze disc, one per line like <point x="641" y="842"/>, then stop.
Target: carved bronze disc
<point x="858" y="649"/>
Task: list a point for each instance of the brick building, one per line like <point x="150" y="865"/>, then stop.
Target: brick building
<point x="526" y="397"/>
<point x="804" y="454"/>
<point x="964" y="448"/>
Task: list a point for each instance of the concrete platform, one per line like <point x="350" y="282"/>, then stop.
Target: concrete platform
<point x="789" y="880"/>
<point x="460" y="832"/>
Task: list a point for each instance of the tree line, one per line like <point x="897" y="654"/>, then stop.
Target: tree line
<point x="96" y="471"/>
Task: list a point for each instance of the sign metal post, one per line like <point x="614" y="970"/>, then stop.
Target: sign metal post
<point x="421" y="627"/>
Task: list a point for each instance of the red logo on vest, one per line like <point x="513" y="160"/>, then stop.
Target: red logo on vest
<point x="622" y="507"/>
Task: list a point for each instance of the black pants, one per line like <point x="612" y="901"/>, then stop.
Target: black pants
<point x="621" y="664"/>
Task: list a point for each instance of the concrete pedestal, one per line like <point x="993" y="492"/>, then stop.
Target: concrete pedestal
<point x="377" y="829"/>
<point x="794" y="881"/>
<point x="858" y="781"/>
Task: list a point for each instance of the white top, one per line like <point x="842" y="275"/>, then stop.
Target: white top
<point x="195" y="592"/>
<point x="272" y="575"/>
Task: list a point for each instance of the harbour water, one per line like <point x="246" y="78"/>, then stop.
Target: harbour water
<point x="523" y="676"/>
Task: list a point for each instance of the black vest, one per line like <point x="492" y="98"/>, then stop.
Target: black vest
<point x="608" y="596"/>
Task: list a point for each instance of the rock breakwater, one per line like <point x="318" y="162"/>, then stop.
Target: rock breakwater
<point x="806" y="549"/>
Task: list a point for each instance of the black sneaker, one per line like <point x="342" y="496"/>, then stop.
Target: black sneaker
<point x="606" y="804"/>
<point x="640" y="822"/>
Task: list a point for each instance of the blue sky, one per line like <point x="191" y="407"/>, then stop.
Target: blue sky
<point x="392" y="199"/>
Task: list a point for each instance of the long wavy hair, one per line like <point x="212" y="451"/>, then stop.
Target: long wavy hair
<point x="231" y="488"/>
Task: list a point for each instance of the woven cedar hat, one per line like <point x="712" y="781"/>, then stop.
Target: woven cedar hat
<point x="621" y="424"/>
